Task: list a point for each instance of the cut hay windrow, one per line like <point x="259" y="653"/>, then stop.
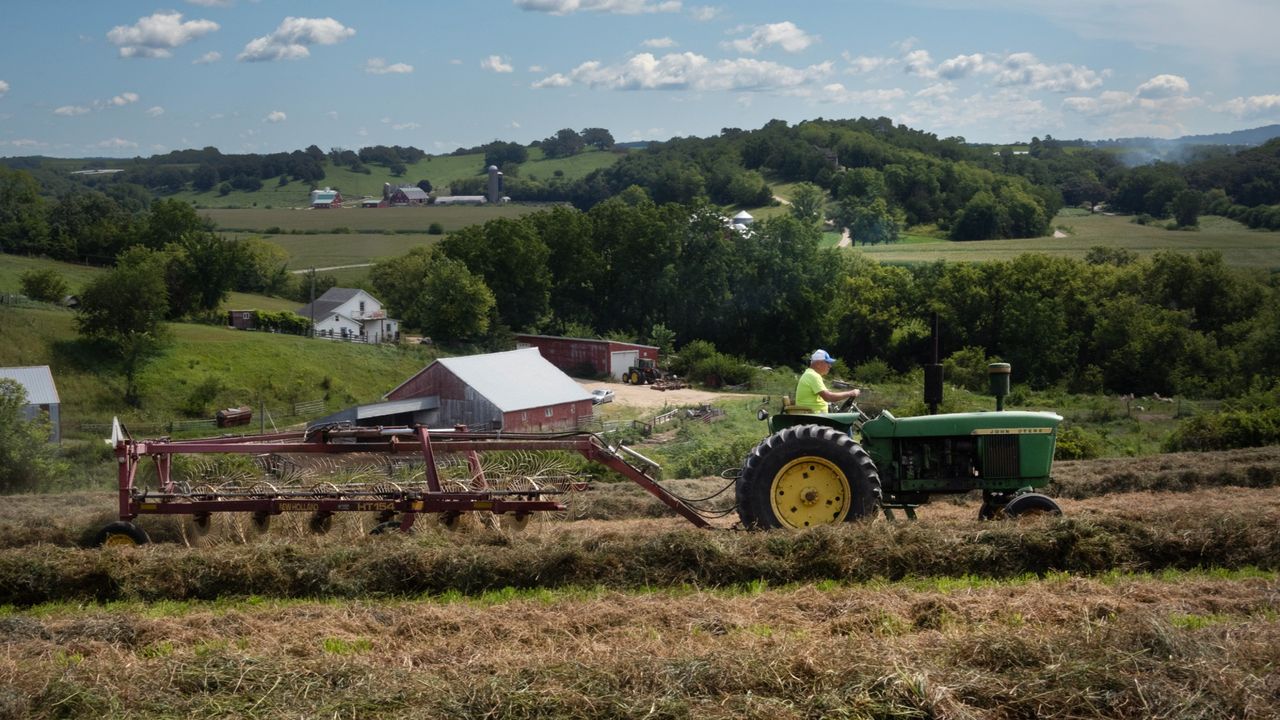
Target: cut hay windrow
<point x="482" y="561"/>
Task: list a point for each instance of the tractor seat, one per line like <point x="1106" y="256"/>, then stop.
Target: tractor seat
<point x="789" y="409"/>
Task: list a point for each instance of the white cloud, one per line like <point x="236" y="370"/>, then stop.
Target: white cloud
<point x="998" y="113"/>
<point x="864" y="64"/>
<point x="881" y="98"/>
<point x="406" y="126"/>
<point x="705" y="13"/>
<point x="212" y="3"/>
<point x="963" y="65"/>
<point x="784" y="34"/>
<point x="275" y="116"/>
<point x="24" y="142"/>
<point x="1025" y="69"/>
<point x="70" y="110"/>
<point x="937" y="90"/>
<point x="1164" y="86"/>
<point x="4" y="88"/>
<point x="332" y="114"/>
<point x="687" y="71"/>
<point x="212" y="56"/>
<point x="659" y="43"/>
<point x="620" y="7"/>
<point x="290" y="40"/>
<point x="497" y="64"/>
<point x="155" y="36"/>
<point x="155" y="111"/>
<point x="536" y="69"/>
<point x="124" y="99"/>
<point x="514" y="125"/>
<point x="1153" y="108"/>
<point x="1251" y="107"/>
<point x="116" y="143"/>
<point x="378" y="66"/>
<point x="918" y="62"/>
<point x="455" y="61"/>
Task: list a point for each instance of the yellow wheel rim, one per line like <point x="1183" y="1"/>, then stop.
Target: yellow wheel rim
<point x="809" y="491"/>
<point x="118" y="539"/>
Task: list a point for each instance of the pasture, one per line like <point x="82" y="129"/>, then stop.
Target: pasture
<point x="360" y="220"/>
<point x="1239" y="245"/>
<point x="440" y="170"/>
<point x="1154" y="597"/>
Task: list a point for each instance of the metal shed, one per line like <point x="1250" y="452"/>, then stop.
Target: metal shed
<point x="588" y="357"/>
<point x="42" y="395"/>
<point x="517" y="391"/>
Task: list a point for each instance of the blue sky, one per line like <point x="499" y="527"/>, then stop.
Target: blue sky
<point x="127" y="78"/>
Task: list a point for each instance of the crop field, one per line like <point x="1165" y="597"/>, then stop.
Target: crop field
<point x="1157" y="595"/>
<point x="440" y="170"/>
<point x="1239" y="245"/>
<point x="320" y="251"/>
<point x="361" y="220"/>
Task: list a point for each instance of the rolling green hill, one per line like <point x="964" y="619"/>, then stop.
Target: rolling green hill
<point x="228" y="367"/>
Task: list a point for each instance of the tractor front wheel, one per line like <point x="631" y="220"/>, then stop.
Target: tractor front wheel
<point x="120" y="534"/>
<point x="805" y="476"/>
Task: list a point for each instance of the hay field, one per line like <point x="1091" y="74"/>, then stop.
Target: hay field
<point x="1239" y="245"/>
<point x="1158" y="595"/>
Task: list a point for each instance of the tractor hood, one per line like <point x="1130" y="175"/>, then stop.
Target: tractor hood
<point x="886" y="425"/>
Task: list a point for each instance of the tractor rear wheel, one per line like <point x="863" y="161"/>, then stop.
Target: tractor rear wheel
<point x="805" y="476"/>
<point x="120" y="534"/>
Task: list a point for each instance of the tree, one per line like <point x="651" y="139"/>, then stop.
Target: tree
<point x="598" y="138"/>
<point x="424" y="185"/>
<point x="43" y="285"/>
<point x="512" y="259"/>
<point x="169" y="221"/>
<point x="125" y="311"/>
<point x="27" y="459"/>
<point x="22" y="220"/>
<point x="979" y="219"/>
<point x="1186" y="208"/>
<point x="504" y="153"/>
<point x="564" y="143"/>
<point x="808" y="203"/>
<point x="204" y="178"/>
<point x="435" y="293"/>
<point x="869" y="222"/>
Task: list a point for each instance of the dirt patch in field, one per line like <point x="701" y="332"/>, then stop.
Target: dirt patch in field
<point x="647" y="398"/>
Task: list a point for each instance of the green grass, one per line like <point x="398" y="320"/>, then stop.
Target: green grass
<point x="333" y="250"/>
<point x="249" y="367"/>
<point x="13" y="266"/>
<point x="1239" y="245"/>
<point x="362" y="220"/>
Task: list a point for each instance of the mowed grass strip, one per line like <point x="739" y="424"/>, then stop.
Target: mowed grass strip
<point x="1239" y="245"/>
<point x="1150" y="535"/>
<point x="1190" y="645"/>
<point x="360" y="220"/>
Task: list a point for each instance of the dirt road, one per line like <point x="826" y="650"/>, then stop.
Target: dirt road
<point x="645" y="397"/>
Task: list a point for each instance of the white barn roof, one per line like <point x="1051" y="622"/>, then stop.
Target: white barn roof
<point x="38" y="382"/>
<point x="516" y="379"/>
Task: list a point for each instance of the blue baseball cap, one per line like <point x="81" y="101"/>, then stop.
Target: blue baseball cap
<point x="822" y="355"/>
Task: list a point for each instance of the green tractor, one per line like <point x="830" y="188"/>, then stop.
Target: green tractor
<point x="821" y="468"/>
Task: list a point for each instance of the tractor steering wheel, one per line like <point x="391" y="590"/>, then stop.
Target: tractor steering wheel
<point x="846" y="406"/>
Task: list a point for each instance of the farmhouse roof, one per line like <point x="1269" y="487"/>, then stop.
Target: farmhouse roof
<point x="515" y="380"/>
<point x="413" y="192"/>
<point x="37" y="380"/>
<point x="331" y="300"/>
<point x="744" y="215"/>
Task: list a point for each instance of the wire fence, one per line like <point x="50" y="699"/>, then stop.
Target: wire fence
<point x="267" y="416"/>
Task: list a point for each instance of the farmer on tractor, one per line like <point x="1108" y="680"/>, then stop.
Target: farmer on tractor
<point x="811" y="392"/>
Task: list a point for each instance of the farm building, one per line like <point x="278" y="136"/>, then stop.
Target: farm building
<point x="461" y="200"/>
<point x="350" y="314"/>
<point x="326" y="198"/>
<point x="406" y="196"/>
<point x="370" y="202"/>
<point x="515" y="391"/>
<point x="42" y="395"/>
<point x="584" y="356"/>
<point x="413" y="411"/>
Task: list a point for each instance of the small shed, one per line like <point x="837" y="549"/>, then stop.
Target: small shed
<point x="589" y="357"/>
<point x="515" y="391"/>
<point x="42" y="395"/>
<point x="462" y="200"/>
<point x="241" y="319"/>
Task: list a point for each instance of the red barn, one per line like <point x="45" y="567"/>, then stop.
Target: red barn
<point x="516" y="391"/>
<point x="584" y="356"/>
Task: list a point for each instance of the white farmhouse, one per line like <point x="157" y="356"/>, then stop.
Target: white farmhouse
<point x="351" y="314"/>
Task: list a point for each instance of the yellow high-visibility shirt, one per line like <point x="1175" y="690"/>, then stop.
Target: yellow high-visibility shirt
<point x="808" y="391"/>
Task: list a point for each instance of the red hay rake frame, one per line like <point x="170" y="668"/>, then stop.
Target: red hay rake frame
<point x="390" y="501"/>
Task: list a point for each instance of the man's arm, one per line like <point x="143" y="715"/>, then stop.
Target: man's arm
<point x="836" y="396"/>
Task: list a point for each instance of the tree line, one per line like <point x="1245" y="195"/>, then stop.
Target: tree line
<point x="629" y="267"/>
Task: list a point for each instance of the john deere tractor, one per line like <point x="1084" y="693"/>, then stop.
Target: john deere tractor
<point x="821" y="468"/>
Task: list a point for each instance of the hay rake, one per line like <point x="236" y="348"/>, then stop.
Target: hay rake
<point x="396" y="473"/>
